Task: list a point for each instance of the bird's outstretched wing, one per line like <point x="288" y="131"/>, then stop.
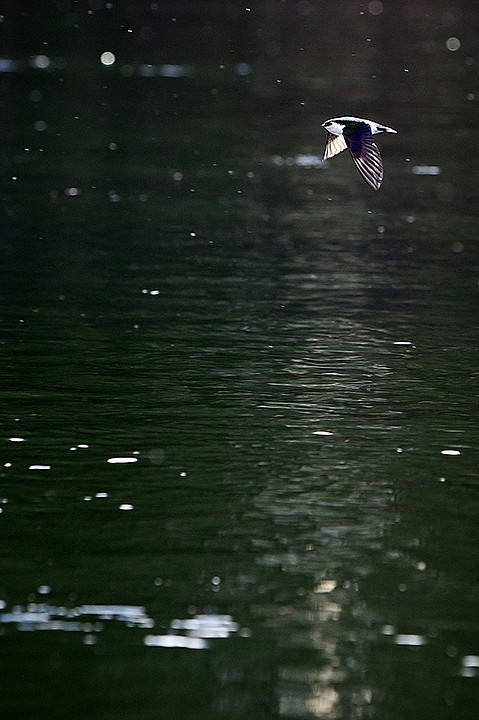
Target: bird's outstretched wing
<point x="366" y="156"/>
<point x="334" y="145"/>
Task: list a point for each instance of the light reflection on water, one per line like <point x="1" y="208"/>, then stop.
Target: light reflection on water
<point x="190" y="633"/>
<point x="287" y="412"/>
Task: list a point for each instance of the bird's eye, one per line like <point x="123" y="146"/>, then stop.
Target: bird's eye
<point x="327" y="124"/>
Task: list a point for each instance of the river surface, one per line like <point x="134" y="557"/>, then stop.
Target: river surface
<point x="239" y="445"/>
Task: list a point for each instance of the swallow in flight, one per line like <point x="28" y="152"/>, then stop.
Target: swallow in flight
<point x="356" y="134"/>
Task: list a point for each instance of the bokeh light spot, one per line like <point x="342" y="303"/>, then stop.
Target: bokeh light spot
<point x="107" y="58"/>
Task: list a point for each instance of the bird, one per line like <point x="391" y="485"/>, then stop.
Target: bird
<point x="356" y="134"/>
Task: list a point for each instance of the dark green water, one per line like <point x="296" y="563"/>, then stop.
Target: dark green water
<point x="281" y="363"/>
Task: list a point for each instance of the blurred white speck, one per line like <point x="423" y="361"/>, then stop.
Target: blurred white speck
<point x="457" y="247"/>
<point x="113" y="196"/>
<point x="113" y="146"/>
<point x="471" y="661"/>
<point x="450" y="452"/>
<point x="453" y="44"/>
<point x="72" y="191"/>
<point x="426" y="170"/>
<point x="40" y="467"/>
<point x="470" y="96"/>
<point x="308" y="161"/>
<point x="206" y="626"/>
<point x="402" y="342"/>
<point x="388" y="630"/>
<point x="154" y="292"/>
<point x="175" y="71"/>
<point x="41" y="62"/>
<point x="101" y="495"/>
<point x="107" y="58"/>
<point x="176" y="641"/>
<point x="126" y="506"/>
<point x="122" y="460"/>
<point x="375" y="7"/>
<point x="242" y="69"/>
<point x="7" y="65"/>
<point x="44" y="590"/>
<point x="7" y="465"/>
<point x="17" y="439"/>
<point x="125" y="613"/>
<point x="83" y="446"/>
<point x="325" y="586"/>
<point x="322" y="432"/>
<point x="412" y="640"/>
<point x="40" y="125"/>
